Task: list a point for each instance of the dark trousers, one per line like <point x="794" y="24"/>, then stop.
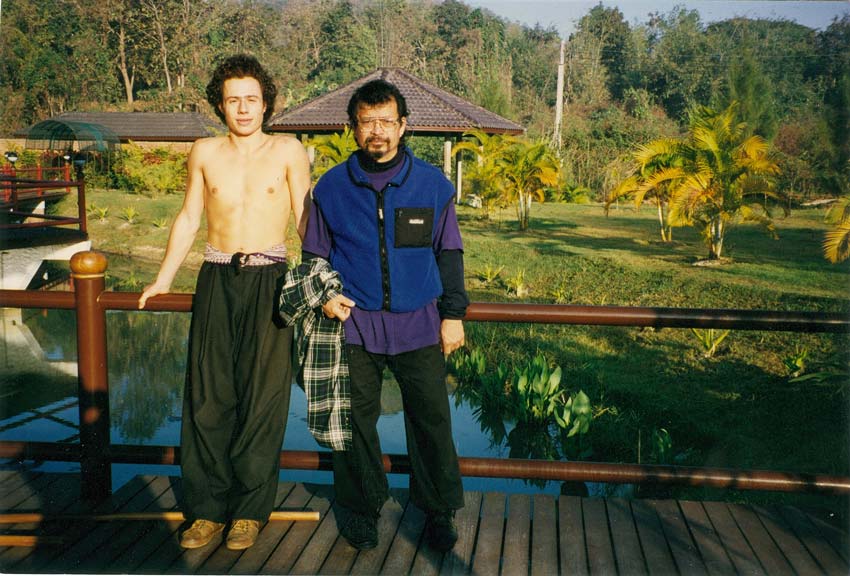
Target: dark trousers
<point x="359" y="478"/>
<point x="237" y="394"/>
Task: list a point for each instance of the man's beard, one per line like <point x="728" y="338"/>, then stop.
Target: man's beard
<point x="376" y="153"/>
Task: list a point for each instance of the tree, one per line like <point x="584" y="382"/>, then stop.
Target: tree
<point x="725" y="175"/>
<point x="332" y="149"/>
<point x="527" y="168"/>
<point x="510" y="170"/>
<point x="650" y="177"/>
<point x="347" y="47"/>
<point x="715" y="175"/>
<point x="614" y="42"/>
<point x="680" y="71"/>
<point x="483" y="176"/>
<point x="751" y="89"/>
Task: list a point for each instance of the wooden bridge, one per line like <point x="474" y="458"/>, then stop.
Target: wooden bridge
<point x="499" y="534"/>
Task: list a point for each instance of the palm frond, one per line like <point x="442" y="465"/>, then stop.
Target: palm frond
<point x="836" y="244"/>
<point x="839" y="212"/>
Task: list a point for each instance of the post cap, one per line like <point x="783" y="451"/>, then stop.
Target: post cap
<point x="88" y="264"/>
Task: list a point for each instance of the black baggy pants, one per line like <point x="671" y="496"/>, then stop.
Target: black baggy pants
<point x="236" y="398"/>
<point x="359" y="479"/>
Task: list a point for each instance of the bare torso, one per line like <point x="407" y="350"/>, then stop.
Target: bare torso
<point x="246" y="195"/>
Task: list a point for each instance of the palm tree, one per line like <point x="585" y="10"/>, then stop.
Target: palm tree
<point x="836" y="244"/>
<point x="651" y="177"/>
<point x="725" y="175"/>
<point x="332" y="149"/>
<point x="510" y="170"/>
<point x="527" y="168"/>
<point x="484" y="176"/>
<point x="709" y="179"/>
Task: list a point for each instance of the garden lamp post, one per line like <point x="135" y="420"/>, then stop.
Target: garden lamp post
<point x="11" y="157"/>
<point x="79" y="163"/>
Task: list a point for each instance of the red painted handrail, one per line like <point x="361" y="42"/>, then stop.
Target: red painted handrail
<point x="95" y="451"/>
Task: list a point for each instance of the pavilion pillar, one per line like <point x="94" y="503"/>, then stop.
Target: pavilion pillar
<point x="459" y="179"/>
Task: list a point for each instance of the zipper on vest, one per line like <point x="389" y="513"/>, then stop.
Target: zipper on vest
<point x="385" y="265"/>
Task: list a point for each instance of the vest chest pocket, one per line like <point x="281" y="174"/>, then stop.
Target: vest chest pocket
<point x="413" y="227"/>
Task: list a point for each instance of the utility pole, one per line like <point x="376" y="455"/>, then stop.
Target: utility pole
<point x="559" y="101"/>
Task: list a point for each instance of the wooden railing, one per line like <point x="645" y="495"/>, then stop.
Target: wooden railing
<point x="96" y="453"/>
<point x="18" y="196"/>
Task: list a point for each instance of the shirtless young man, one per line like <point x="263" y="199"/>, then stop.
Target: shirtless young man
<point x="237" y="388"/>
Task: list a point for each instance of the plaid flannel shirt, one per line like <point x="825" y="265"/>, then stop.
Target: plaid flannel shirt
<point x="320" y="345"/>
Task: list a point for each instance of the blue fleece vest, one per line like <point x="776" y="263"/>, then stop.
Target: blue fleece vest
<point x="382" y="241"/>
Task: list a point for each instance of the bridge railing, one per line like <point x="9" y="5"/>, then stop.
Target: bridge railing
<point x="18" y="197"/>
<point x="96" y="453"/>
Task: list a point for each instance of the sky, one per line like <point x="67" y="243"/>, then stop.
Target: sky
<point x="564" y="14"/>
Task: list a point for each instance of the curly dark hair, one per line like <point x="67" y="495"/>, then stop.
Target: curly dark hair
<point x="376" y="92"/>
<point x="241" y="66"/>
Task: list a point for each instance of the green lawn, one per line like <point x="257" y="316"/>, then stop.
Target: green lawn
<point x="737" y="409"/>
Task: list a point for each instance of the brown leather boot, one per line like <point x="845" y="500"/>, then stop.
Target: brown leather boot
<point x="200" y="533"/>
<point x="242" y="534"/>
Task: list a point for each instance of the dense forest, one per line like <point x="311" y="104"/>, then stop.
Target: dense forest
<point x="624" y="84"/>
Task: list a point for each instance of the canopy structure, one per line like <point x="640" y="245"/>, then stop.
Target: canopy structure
<point x="433" y="112"/>
<point x="72" y="136"/>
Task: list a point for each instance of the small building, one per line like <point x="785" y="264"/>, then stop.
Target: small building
<point x="433" y="112"/>
<point x="177" y="130"/>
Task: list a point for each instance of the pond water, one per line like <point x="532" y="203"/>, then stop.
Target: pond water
<point x="146" y="364"/>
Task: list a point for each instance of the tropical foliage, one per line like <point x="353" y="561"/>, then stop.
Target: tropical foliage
<point x="549" y="422"/>
<point x="836" y="244"/>
<point x="331" y="149"/>
<point x="626" y="83"/>
<point x="510" y="170"/>
<point x="714" y="176"/>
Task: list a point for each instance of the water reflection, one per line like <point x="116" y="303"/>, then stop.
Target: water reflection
<point x="146" y="369"/>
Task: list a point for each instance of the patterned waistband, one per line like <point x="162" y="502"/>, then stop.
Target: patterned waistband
<point x="274" y="255"/>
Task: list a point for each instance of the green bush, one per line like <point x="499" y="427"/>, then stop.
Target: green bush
<point x="151" y="172"/>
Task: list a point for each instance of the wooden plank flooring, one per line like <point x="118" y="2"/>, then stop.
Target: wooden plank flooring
<point x="499" y="534"/>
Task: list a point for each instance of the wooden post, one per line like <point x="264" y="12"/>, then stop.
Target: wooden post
<point x="559" y="100"/>
<point x="87" y="272"/>
<point x="459" y="180"/>
<point x="81" y="206"/>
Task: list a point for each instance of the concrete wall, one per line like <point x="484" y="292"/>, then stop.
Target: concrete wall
<point x="18" y="266"/>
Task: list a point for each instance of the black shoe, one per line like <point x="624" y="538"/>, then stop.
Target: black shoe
<point x="361" y="531"/>
<point x="440" y="531"/>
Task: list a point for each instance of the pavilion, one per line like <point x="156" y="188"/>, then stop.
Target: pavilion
<point x="433" y="111"/>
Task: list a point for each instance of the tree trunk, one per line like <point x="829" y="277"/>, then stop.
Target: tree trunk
<point x="126" y="76"/>
<point x="715" y="239"/>
<point x="163" y="47"/>
<point x="661" y="222"/>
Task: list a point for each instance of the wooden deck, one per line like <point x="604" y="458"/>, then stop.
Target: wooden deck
<point x="499" y="533"/>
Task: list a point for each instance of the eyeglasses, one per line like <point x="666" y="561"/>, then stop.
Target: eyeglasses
<point x="372" y="123"/>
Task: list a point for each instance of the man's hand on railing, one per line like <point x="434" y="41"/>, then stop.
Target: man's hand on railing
<point x="152" y="290"/>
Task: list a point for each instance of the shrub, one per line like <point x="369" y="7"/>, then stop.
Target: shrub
<point x="151" y="172"/>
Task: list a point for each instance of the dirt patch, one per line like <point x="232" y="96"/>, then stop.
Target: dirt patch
<point x="713" y="262"/>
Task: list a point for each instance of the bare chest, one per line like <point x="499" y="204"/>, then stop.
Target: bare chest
<point x="245" y="183"/>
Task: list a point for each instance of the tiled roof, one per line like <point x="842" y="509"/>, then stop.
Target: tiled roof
<point x="432" y="109"/>
<point x="150" y="126"/>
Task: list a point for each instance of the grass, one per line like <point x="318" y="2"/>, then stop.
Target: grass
<point x="737" y="409"/>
